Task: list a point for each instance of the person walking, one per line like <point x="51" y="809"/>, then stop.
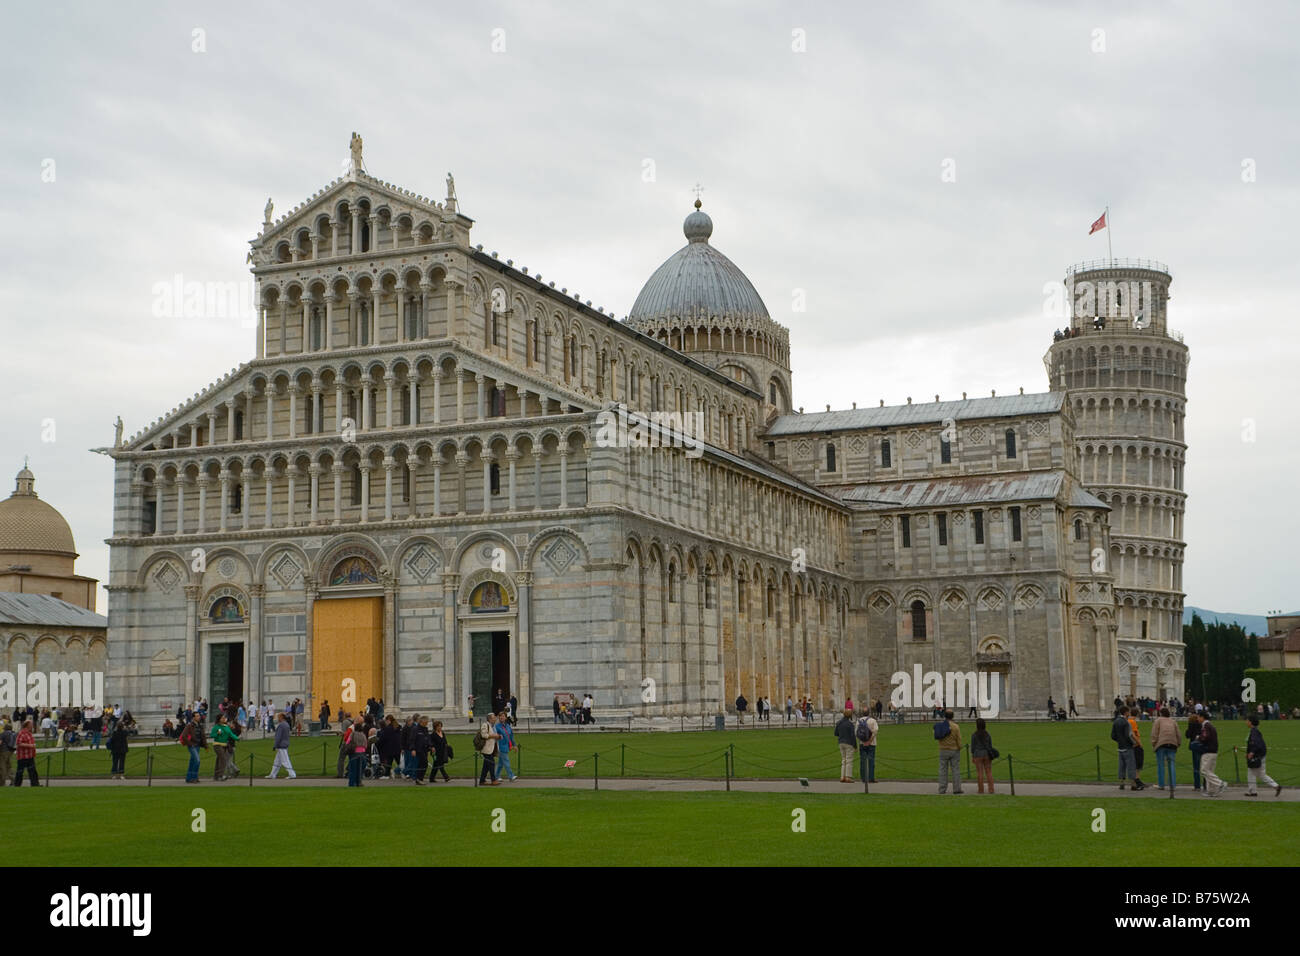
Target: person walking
<point x="1139" y="754"/>
<point x="281" y="750"/>
<point x="488" y="735"/>
<point x="25" y="750"/>
<point x="1073" y="712"/>
<point x="948" y="733"/>
<point x="1256" y="751"/>
<point x="1214" y="785"/>
<point x="117" y="746"/>
<point x="8" y="744"/>
<point x="420" y="746"/>
<point x="192" y="738"/>
<point x="324" y="716"/>
<point x="741" y="704"/>
<point x="1122" y="733"/>
<point x="866" y="731"/>
<point x="389" y="740"/>
<point x="845" y="734"/>
<point x="441" y="753"/>
<point x="981" y="754"/>
<point x="345" y="725"/>
<point x="1165" y="739"/>
<point x="789" y="708"/>
<point x="506" y="745"/>
<point x="1196" y="748"/>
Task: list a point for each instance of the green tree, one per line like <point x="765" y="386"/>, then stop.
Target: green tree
<point x="1217" y="657"/>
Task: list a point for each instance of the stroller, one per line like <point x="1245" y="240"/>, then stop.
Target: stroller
<point x="374" y="768"/>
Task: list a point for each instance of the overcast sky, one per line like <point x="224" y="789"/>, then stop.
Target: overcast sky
<point x="820" y="134"/>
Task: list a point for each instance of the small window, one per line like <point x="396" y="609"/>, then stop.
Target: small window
<point x="771" y="450"/>
<point x="941" y="522"/>
<point x="1078" y="529"/>
<point x="1011" y="443"/>
<point x="498" y="402"/>
<point x="239" y="426"/>
<point x="1015" y="524"/>
<point x="884" y="453"/>
<point x="149" y="520"/>
<point x="945" y="451"/>
<point x="771" y="393"/>
<point x="830" y="457"/>
<point x="978" y="516"/>
<point x="1144" y="630"/>
<point x="237" y="499"/>
<point x="905" y="525"/>
<point x="356" y="484"/>
<point x="494" y="477"/>
<point x="918" y="621"/>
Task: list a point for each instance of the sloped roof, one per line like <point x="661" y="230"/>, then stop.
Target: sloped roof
<point x="891" y="416"/>
<point x="1289" y="643"/>
<point x="43" y="610"/>
<point x="959" y="490"/>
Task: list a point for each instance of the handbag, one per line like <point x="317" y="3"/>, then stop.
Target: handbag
<point x="1254" y="762"/>
<point x="993" y="753"/>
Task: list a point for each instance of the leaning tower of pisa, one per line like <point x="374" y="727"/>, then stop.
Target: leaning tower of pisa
<point x="1125" y="372"/>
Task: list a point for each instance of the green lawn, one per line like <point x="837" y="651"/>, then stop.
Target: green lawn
<point x="453" y="827"/>
<point x="1038" y="751"/>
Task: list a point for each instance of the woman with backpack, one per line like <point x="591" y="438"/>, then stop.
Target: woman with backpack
<point x="485" y="742"/>
<point x="982" y="754"/>
<point x="117" y="746"/>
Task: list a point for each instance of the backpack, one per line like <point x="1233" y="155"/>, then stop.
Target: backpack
<point x="941" y="730"/>
<point x="186" y="739"/>
<point x="8" y="742"/>
<point x="479" y="742"/>
<point x="863" y="732"/>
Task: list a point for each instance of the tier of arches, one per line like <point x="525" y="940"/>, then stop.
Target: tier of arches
<point x="359" y="225"/>
<point x="1136" y="415"/>
<point x="723" y="333"/>
<point x="1092" y="366"/>
<point x="1150" y="464"/>
<point x="502" y="472"/>
<point x="42" y="651"/>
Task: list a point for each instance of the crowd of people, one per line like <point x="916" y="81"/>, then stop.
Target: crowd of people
<point x="565" y="708"/>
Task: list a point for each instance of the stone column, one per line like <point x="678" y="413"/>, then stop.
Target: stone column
<point x="437" y="395"/>
<point x="388" y="405"/>
<point x="412" y="467"/>
<point x="374" y="317"/>
<point x="306" y="325"/>
<point x="337" y="471"/>
<point x="338" y="408"/>
<point x="192" y="667"/>
<point x="365" y="491"/>
<point x="523" y="401"/>
<point x="486" y="458"/>
<point x="512" y="456"/>
<point x="314" y="471"/>
<point x="480" y="379"/>
<point x="373" y="221"/>
<point x="460" y="396"/>
<point x="224" y="477"/>
<point x="537" y="478"/>
<point x="329" y="321"/>
<point x="291" y="474"/>
<point x="180" y="504"/>
<point x="522" y="653"/>
<point x="317" y="409"/>
<point x="437" y="487"/>
<point x="390" y="636"/>
<point x="389" y="464"/>
<point x="452" y="698"/>
<point x="423" y="325"/>
<point x="270" y="412"/>
<point x="212" y="427"/>
<point x="284" y="323"/>
<point x="157" y="505"/>
<point x="462" y="462"/>
<point x="563" y="451"/>
<point x="293" y="410"/>
<point x="261" y="331"/>
<point x="246" y="504"/>
<point x="365" y="404"/>
<point x="334" y="237"/>
<point x="413" y="388"/>
<point x="354" y="237"/>
<point x="311" y="592"/>
<point x="256" y="593"/>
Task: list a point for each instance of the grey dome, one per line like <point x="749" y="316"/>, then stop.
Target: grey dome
<point x="697" y="282"/>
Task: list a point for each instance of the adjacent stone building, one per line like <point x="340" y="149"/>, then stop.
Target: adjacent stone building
<point x="406" y="494"/>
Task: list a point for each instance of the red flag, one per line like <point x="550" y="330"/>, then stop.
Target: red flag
<point x="1099" y="224"/>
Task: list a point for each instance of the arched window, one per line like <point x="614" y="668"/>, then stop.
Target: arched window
<point x="884" y="453"/>
<point x="356" y="484"/>
<point x="363" y="325"/>
<point x="1078" y="529"/>
<point x="1011" y="443"/>
<point x="918" y="621"/>
<point x="494" y="478"/>
<point x="830" y="456"/>
<point x="945" y="451"/>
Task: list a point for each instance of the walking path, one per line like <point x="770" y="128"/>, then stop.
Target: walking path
<point x="886" y="788"/>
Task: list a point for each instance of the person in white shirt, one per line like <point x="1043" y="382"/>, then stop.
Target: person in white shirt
<point x="866" y="731"/>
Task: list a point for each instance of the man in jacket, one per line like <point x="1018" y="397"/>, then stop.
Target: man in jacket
<point x="741" y="705"/>
<point x="407" y="730"/>
<point x="25" y="747"/>
<point x="866" y="731"/>
<point x="1165" y="740"/>
<point x="1209" y="757"/>
<point x="950" y="755"/>
<point x="1255" y="751"/>
<point x="281" y="750"/>
<point x="490" y="737"/>
<point x="192" y="738"/>
<point x="345" y="724"/>
<point x="848" y="743"/>
<point x="503" y="750"/>
<point x="222" y="737"/>
<point x="420" y="744"/>
<point x="1122" y="733"/>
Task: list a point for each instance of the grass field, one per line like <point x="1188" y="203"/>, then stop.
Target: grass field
<point x="1038" y="751"/>
<point x="453" y="827"/>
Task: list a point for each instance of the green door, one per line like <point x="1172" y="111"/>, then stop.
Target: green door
<point x="218" y="673"/>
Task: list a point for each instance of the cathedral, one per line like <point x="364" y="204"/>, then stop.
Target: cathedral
<point x="407" y="494"/>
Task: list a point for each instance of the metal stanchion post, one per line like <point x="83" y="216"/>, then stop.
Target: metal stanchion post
<point x="47" y="770"/>
<point x="1236" y="767"/>
<point x="595" y="770"/>
<point x="622" y="760"/>
<point x="1099" y="763"/>
<point x="1011" y="774"/>
<point x="251" y="772"/>
<point x="148" y="765"/>
<point x="726" y="769"/>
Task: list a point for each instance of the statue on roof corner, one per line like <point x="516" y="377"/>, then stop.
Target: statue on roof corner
<point x="266" y="213"/>
<point x="451" y="193"/>
<point x="117" y="440"/>
<point x="355" y="147"/>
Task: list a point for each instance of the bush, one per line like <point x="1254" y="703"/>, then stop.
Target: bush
<point x="1282" y="686"/>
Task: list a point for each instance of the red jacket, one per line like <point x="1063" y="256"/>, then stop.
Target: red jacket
<point x="26" y="745"/>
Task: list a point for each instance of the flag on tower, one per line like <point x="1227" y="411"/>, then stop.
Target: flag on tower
<point x="1099" y="224"/>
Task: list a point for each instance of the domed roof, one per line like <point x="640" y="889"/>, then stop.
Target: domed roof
<point x="28" y="524"/>
<point x="697" y="281"/>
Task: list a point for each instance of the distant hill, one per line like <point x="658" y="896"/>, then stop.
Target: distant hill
<point x="1252" y="623"/>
